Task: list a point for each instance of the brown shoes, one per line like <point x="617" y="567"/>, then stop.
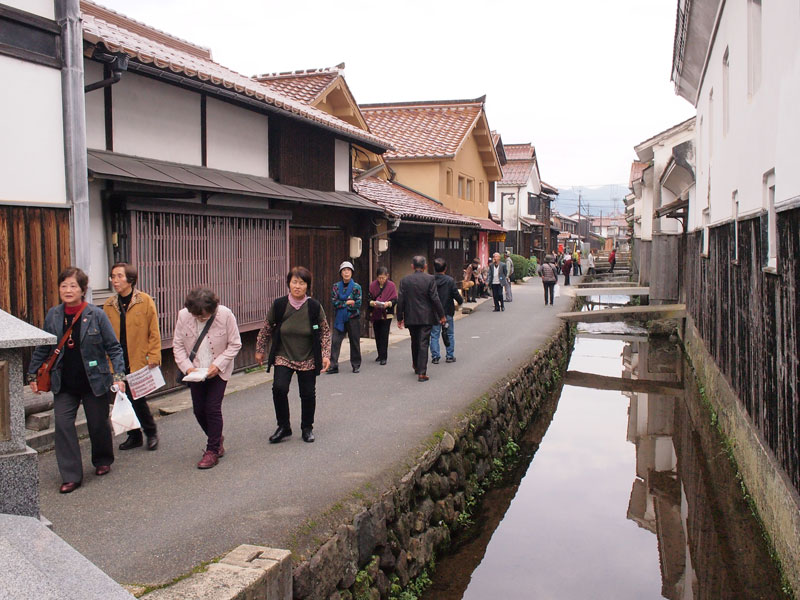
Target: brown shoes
<point x="422" y="378"/>
<point x="102" y="470"/>
<point x="209" y="460"/>
<point x="66" y="488"/>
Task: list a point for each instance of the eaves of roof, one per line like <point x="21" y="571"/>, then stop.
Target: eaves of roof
<point x="132" y="169"/>
<point x="409" y="205"/>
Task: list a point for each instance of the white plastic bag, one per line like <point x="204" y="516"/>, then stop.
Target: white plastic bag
<point x="556" y="291"/>
<point x="123" y="418"/>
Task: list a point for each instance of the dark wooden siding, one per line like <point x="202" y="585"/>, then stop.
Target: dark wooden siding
<point x="321" y="251"/>
<point x="243" y="259"/>
<point x="301" y="155"/>
<point x="34" y="248"/>
<point x="748" y="320"/>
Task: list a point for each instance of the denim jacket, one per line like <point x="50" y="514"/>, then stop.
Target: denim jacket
<point x="98" y="344"/>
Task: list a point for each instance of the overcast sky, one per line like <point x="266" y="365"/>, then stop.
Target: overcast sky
<point x="583" y="80"/>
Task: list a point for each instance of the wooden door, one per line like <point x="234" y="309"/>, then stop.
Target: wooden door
<point x="321" y="251"/>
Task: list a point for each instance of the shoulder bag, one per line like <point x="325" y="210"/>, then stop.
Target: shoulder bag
<point x="43" y="372"/>
<point x="199" y="341"/>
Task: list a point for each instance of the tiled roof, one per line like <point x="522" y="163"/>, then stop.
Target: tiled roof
<point x="637" y="168"/>
<point x="530" y="221"/>
<point x="423" y="129"/>
<point x="489" y="225"/>
<point x="516" y="172"/>
<point x="158" y="50"/>
<point x="549" y="189"/>
<point x="408" y="204"/>
<point x="519" y="151"/>
<point x="303" y="86"/>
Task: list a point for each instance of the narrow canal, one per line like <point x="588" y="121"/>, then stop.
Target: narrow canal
<point x="626" y="495"/>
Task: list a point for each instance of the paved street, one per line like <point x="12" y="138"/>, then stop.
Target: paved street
<point x="156" y="516"/>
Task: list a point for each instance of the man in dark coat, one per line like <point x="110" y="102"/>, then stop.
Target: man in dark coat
<point x="449" y="297"/>
<point x="419" y="308"/>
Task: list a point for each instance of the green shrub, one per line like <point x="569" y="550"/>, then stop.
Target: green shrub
<point x="533" y="266"/>
<point x="520" y="267"/>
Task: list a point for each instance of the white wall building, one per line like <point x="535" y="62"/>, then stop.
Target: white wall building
<point x="746" y="97"/>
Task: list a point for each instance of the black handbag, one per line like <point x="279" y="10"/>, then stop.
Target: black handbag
<point x="199" y="341"/>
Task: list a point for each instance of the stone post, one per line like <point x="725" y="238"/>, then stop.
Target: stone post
<point x="19" y="464"/>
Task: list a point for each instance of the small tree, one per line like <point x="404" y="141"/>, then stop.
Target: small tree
<point x="520" y="267"/>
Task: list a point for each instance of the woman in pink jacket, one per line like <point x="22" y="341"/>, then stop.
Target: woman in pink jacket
<point x="216" y="353"/>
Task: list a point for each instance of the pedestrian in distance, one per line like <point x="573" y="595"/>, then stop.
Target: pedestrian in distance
<point x="419" y="308"/>
<point x="566" y="268"/>
<point x="203" y="318"/>
<point x="612" y="260"/>
<point x="469" y="284"/>
<point x="483" y="284"/>
<point x="549" y="273"/>
<point x="346" y="299"/>
<point x="497" y="276"/>
<point x="382" y="300"/>
<point x="298" y="337"/>
<point x="80" y="375"/>
<point x="590" y="270"/>
<point x="576" y="262"/>
<point x="449" y="297"/>
<point x="134" y="317"/>
<point x="509" y="273"/>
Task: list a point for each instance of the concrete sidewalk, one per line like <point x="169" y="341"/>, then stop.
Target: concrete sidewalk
<point x="179" y="400"/>
<point x="156" y="516"/>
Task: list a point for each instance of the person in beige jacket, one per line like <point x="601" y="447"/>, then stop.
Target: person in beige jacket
<point x="216" y="352"/>
<point x="134" y="317"/>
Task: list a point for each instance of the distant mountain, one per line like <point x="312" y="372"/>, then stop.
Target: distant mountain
<point x="605" y="199"/>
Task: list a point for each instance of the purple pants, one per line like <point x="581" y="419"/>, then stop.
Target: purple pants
<point x="207" y="404"/>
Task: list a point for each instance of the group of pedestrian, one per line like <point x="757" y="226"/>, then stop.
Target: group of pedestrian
<point x="99" y="347"/>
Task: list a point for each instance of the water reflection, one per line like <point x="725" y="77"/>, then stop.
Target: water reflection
<point x="563" y="532"/>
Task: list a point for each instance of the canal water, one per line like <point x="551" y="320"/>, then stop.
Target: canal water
<point x="624" y="495"/>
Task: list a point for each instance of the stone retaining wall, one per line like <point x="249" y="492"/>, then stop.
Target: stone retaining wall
<point x="391" y="542"/>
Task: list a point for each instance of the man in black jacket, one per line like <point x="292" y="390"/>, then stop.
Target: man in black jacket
<point x="419" y="307"/>
<point x="449" y="297"/>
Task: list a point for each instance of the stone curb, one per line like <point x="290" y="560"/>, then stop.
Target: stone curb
<point x="245" y="573"/>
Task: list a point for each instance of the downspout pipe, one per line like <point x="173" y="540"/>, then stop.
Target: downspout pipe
<point x="68" y="17"/>
<point x="118" y="63"/>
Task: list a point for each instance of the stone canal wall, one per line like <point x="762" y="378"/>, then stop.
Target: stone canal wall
<point x="389" y="544"/>
<point x="773" y="494"/>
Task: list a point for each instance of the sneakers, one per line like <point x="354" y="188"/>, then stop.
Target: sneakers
<point x="209" y="460"/>
<point x="435" y="360"/>
<point x="450" y="359"/>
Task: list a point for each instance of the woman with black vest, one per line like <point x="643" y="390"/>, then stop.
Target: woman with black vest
<point x="299" y="340"/>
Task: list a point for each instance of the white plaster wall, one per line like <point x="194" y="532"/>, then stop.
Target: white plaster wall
<point x="764" y="126"/>
<point x="156" y="120"/>
<point x="95" y="107"/>
<point x="342" y="172"/>
<point x="662" y="153"/>
<point x="647" y="212"/>
<point x="509" y="211"/>
<point x="31" y="133"/>
<point x="43" y="8"/>
<point x="237" y="139"/>
<point x="98" y="251"/>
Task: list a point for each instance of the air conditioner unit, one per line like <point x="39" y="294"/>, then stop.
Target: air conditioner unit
<point x="355" y="247"/>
